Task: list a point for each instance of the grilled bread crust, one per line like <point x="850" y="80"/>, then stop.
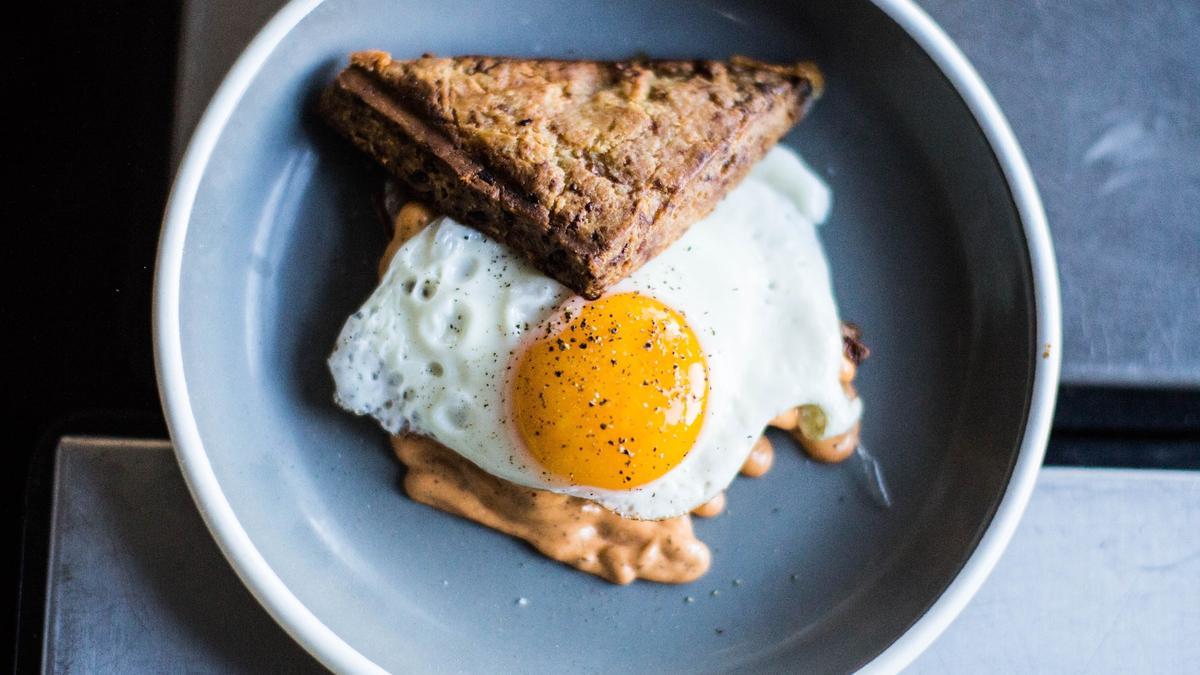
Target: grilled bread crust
<point x="587" y="168"/>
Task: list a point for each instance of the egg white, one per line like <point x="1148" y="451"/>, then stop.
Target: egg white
<point x="432" y="350"/>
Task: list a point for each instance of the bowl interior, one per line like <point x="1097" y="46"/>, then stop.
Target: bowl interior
<point x="928" y="257"/>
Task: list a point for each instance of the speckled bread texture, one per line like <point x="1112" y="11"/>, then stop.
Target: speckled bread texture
<point x="587" y="168"/>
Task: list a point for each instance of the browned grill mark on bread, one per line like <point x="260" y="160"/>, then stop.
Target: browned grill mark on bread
<point x="587" y="168"/>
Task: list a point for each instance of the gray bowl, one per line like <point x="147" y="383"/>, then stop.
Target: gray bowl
<point x="938" y="247"/>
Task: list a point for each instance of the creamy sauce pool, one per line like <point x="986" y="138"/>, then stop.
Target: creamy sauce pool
<point x="569" y="529"/>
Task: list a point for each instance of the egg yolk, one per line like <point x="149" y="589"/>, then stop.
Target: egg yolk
<point x="615" y="396"/>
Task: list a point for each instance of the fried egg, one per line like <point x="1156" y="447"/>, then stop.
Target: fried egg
<point x="647" y="400"/>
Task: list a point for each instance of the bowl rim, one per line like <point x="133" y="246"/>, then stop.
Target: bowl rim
<point x="334" y="652"/>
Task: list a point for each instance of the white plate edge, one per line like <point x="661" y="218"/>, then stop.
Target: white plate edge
<point x="262" y="581"/>
<point x="1048" y="314"/>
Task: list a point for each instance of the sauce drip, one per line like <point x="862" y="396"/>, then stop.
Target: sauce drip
<point x="760" y="459"/>
<point x="569" y="529"/>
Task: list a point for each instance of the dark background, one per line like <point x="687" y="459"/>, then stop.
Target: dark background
<point x="89" y="91"/>
<point x="88" y="96"/>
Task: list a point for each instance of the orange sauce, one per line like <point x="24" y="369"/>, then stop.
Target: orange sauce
<point x="569" y="529"/>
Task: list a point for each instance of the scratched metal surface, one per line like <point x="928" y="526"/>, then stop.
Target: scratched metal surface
<point x="1105" y="99"/>
<point x="1103" y="575"/>
<point x="135" y="584"/>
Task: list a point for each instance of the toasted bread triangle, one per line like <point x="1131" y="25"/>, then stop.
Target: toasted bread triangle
<point x="587" y="168"/>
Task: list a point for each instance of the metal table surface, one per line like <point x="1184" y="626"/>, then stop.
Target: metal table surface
<point x="1105" y="100"/>
<point x="1103" y="575"/>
